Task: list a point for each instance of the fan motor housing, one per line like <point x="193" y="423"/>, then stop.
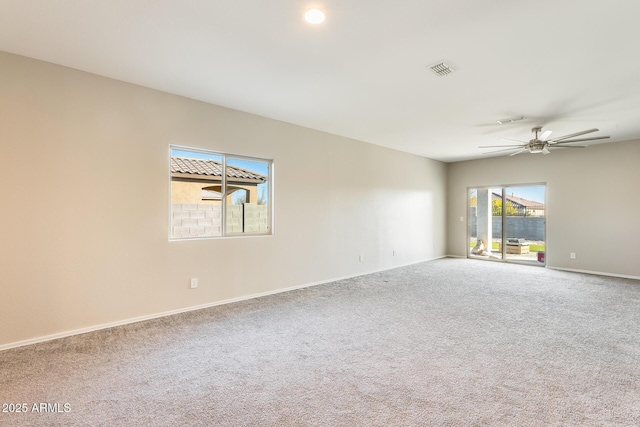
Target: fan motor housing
<point x="536" y="146"/>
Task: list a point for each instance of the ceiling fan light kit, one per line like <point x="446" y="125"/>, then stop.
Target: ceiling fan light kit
<point x="542" y="143"/>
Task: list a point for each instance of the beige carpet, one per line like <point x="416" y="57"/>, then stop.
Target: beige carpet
<point x="443" y="343"/>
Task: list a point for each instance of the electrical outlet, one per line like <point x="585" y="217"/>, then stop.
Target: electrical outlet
<point x="194" y="283"/>
<point x="394" y="252"/>
<point x="572" y="255"/>
<point x="361" y="258"/>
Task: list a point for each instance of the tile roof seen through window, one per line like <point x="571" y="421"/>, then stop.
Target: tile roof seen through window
<point x="185" y="165"/>
<point x="520" y="201"/>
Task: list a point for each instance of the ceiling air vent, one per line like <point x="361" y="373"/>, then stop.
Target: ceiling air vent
<point x="441" y="68"/>
<point x="510" y="120"/>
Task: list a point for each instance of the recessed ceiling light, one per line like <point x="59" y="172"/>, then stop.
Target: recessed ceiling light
<point x="314" y="16"/>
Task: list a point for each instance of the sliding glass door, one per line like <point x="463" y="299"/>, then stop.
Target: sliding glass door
<point x="507" y="223"/>
<point x="485" y="231"/>
<point x="525" y="227"/>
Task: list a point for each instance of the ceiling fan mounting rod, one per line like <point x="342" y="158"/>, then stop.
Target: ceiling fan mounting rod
<point x="536" y="130"/>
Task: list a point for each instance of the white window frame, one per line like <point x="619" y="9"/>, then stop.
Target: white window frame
<point x="224" y="234"/>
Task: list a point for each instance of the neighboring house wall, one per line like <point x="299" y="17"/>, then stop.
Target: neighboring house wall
<point x="191" y="216"/>
<point x="189" y="192"/>
<point x="183" y="191"/>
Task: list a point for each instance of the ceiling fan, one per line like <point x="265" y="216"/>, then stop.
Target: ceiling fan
<point x="542" y="144"/>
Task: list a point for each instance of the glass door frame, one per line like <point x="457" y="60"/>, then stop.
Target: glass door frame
<point x="503" y="245"/>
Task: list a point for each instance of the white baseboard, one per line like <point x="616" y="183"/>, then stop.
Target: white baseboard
<point x="192" y="308"/>
<point x="597" y="273"/>
<point x="574" y="270"/>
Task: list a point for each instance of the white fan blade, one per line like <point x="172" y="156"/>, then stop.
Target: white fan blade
<point x="499" y="151"/>
<point x="545" y="135"/>
<point x="499" y="146"/>
<point x="584" y="139"/>
<point x="517" y="152"/>
<point x="515" y="140"/>
<point x="554" y="140"/>
<point x="568" y="146"/>
<point x="545" y="151"/>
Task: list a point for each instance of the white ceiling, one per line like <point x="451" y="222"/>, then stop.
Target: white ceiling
<point x="568" y="65"/>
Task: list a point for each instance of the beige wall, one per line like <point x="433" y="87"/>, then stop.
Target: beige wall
<point x="592" y="203"/>
<point x="93" y="153"/>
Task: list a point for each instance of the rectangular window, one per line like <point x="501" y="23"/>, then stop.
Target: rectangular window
<point x="218" y="195"/>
